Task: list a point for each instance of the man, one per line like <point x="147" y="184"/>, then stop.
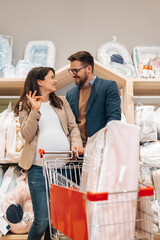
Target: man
<point x="94" y="101"/>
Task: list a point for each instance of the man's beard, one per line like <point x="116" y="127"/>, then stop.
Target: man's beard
<point x="82" y="81"/>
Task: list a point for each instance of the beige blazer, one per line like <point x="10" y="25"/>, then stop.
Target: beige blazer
<point x="30" y="129"/>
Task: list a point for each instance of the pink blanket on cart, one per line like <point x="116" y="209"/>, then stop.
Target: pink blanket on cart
<point x="111" y="164"/>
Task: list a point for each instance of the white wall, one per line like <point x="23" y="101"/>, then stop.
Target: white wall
<point x="79" y="25"/>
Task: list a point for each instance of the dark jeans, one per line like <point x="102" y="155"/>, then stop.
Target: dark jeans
<point x="37" y="188"/>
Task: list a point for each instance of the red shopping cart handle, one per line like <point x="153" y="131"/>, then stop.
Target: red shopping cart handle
<point x="41" y="152"/>
<point x="143" y="192"/>
<point x="97" y="196"/>
<point x="147" y="191"/>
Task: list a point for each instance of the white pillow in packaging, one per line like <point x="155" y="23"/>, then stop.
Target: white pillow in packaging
<point x="41" y="53"/>
<point x="145" y="118"/>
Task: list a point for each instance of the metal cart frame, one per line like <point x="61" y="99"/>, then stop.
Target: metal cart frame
<point x="77" y="214"/>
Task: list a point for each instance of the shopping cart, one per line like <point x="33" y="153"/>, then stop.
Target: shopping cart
<point x="93" y="216"/>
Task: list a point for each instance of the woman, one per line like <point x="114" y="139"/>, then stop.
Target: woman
<point x="47" y="122"/>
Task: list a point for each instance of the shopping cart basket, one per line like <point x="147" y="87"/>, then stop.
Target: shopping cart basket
<point x="80" y="216"/>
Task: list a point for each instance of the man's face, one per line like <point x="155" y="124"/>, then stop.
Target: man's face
<point x="80" y="76"/>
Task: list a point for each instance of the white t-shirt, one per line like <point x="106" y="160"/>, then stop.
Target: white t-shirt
<point x="51" y="135"/>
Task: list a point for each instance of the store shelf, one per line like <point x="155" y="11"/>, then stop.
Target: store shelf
<point x="157" y="237"/>
<point x="11" y="86"/>
<point x="107" y="73"/>
<point x="16" y="237"/>
<point x="64" y="78"/>
<point x="147" y="100"/>
<point x="143" y="86"/>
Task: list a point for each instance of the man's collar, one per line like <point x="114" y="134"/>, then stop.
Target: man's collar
<point x="91" y="82"/>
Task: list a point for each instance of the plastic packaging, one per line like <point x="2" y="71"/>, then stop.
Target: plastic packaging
<point x="145" y="118"/>
<point x="157" y="118"/>
<point x="11" y="139"/>
<point x="9" y="71"/>
<point x="5" y="51"/>
<point x="150" y="154"/>
<point x="116" y="56"/>
<point x="23" y="67"/>
<point x="111" y="165"/>
<point x="41" y="53"/>
<point x="145" y="61"/>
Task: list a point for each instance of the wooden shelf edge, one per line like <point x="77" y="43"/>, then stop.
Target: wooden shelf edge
<point x="148" y="87"/>
<point x="107" y="73"/>
<point x="157" y="237"/>
<point x="9" y="86"/>
<point x="64" y="78"/>
<point x="14" y="237"/>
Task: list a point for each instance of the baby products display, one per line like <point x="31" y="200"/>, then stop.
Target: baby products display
<point x="15" y="201"/>
<point x="150" y="175"/>
<point x="147" y="61"/>
<point x="10" y="135"/>
<point x="5" y="51"/>
<point x="40" y="53"/>
<point x="8" y="71"/>
<point x="37" y="53"/>
<point x="17" y="209"/>
<point x="150" y="154"/>
<point x="110" y="166"/>
<point x="145" y="118"/>
<point x="145" y="64"/>
<point x="148" y="119"/>
<point x="23" y="67"/>
<point x="157" y="117"/>
<point x="115" y="55"/>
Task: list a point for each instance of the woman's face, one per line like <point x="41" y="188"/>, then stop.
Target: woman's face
<point x="48" y="85"/>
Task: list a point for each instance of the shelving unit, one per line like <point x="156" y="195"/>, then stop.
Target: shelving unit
<point x="64" y="78"/>
<point x="148" y="90"/>
<point x="14" y="237"/>
<point x="128" y="89"/>
<point x="146" y="87"/>
<point x="12" y="86"/>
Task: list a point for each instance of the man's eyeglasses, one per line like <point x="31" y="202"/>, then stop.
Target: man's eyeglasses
<point x="75" y="71"/>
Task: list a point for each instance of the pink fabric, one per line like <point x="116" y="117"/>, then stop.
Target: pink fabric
<point x="120" y="153"/>
<point x="93" y="161"/>
<point x="20" y="195"/>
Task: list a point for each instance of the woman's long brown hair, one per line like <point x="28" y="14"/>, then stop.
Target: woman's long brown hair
<point x="32" y="85"/>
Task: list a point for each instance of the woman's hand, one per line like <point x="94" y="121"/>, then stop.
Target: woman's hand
<point x="79" y="149"/>
<point x="34" y="100"/>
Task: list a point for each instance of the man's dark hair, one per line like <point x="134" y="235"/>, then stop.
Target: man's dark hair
<point x="84" y="57"/>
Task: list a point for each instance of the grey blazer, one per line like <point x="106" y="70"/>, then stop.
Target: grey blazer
<point x="30" y="129"/>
